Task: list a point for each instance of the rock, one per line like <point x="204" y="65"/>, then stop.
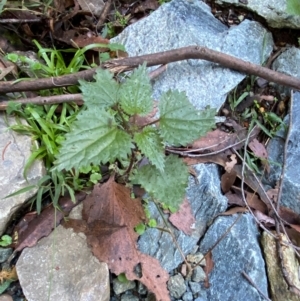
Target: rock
<point x="62" y="267"/>
<point x="288" y="63"/>
<point x="196" y="258"/>
<point x="273" y="11"/>
<point x="129" y="297"/>
<point x="198" y="274"/>
<point x="121" y="287"/>
<point x="278" y="287"/>
<point x="176" y="286"/>
<point x="16" y="149"/>
<point x="206" y="202"/>
<point x="182" y="23"/>
<point x="291" y="185"/>
<point x="238" y="251"/>
<point x="188" y="296"/>
<point x="6" y="297"/>
<point x="195" y="287"/>
<point x="4" y="254"/>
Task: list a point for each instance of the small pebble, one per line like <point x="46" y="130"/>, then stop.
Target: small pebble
<point x="129" y="297"/>
<point x="4" y="254"/>
<point x="188" y="296"/>
<point x="176" y="286"/>
<point x="6" y="297"/>
<point x="121" y="287"/>
<point x="195" y="287"/>
<point x="198" y="274"/>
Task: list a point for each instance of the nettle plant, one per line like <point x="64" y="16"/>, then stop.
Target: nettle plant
<point x="115" y="129"/>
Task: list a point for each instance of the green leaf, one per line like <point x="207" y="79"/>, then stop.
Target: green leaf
<point x="140" y="228"/>
<point x="136" y="93"/>
<point x="102" y="93"/>
<point x="94" y="138"/>
<point x="293" y="7"/>
<point x="151" y="145"/>
<point x="5" y="285"/>
<point x="180" y="123"/>
<point x="167" y="187"/>
<point x="5" y="240"/>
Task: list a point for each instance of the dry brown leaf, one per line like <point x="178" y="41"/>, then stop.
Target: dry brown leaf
<point x="208" y="267"/>
<point x="258" y="149"/>
<point x="184" y="219"/>
<point x="273" y="194"/>
<point x="229" y="165"/>
<point x="234" y="210"/>
<point x="110" y="215"/>
<point x="234" y="198"/>
<point x="256" y="203"/>
<point x="264" y="218"/>
<point x="85" y="40"/>
<point x="227" y="180"/>
<point x="214" y="140"/>
<point x="43" y="224"/>
<point x="150" y="117"/>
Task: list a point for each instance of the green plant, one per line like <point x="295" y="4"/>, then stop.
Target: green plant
<point x="52" y="62"/>
<point x="114" y="129"/>
<point x="47" y="128"/>
<point x="5" y="240"/>
<point x="293" y="7"/>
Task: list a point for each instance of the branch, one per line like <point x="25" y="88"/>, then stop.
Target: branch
<point x="125" y="64"/>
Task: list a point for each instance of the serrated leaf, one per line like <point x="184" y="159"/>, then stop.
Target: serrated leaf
<point x="168" y="187"/>
<point x="293" y="7"/>
<point x="94" y="138"/>
<point x="136" y="93"/>
<point x="151" y="145"/>
<point x="102" y="93"/>
<point x="180" y="123"/>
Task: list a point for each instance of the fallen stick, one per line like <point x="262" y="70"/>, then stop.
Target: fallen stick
<point x="125" y="64"/>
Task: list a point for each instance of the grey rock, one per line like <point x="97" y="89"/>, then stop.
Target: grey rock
<point x="196" y="258"/>
<point x="6" y="297"/>
<point x="16" y="149"/>
<point x="188" y="296"/>
<point x="176" y="286"/>
<point x="238" y="251"/>
<point x="273" y="11"/>
<point x="141" y="288"/>
<point x="181" y="23"/>
<point x="288" y="62"/>
<point x="121" y="287"/>
<point x="4" y="254"/>
<point x="291" y="182"/>
<point x="129" y="297"/>
<point x="62" y="267"/>
<point x="195" y="287"/>
<point x="206" y="202"/>
<point x="198" y="274"/>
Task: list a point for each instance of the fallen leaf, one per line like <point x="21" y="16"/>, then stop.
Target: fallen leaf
<point x="109" y="217"/>
<point x="264" y="218"/>
<point x="208" y="267"/>
<point x="258" y="149"/>
<point x="234" y="210"/>
<point x="44" y="223"/>
<point x="85" y="40"/>
<point x="256" y="203"/>
<point x="227" y="180"/>
<point x="184" y="219"/>
<point x="231" y="164"/>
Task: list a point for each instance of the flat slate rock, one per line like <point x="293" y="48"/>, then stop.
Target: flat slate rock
<point x="273" y="11"/>
<point x="291" y="182"/>
<point x="62" y="267"/>
<point x="16" y="150"/>
<point x="238" y="251"/>
<point x="181" y="23"/>
<point x="206" y="200"/>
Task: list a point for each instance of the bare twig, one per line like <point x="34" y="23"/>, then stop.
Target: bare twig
<point x="55" y="99"/>
<point x="257" y="288"/>
<point x="46" y="100"/>
<point x="125" y="64"/>
<point x="104" y="14"/>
